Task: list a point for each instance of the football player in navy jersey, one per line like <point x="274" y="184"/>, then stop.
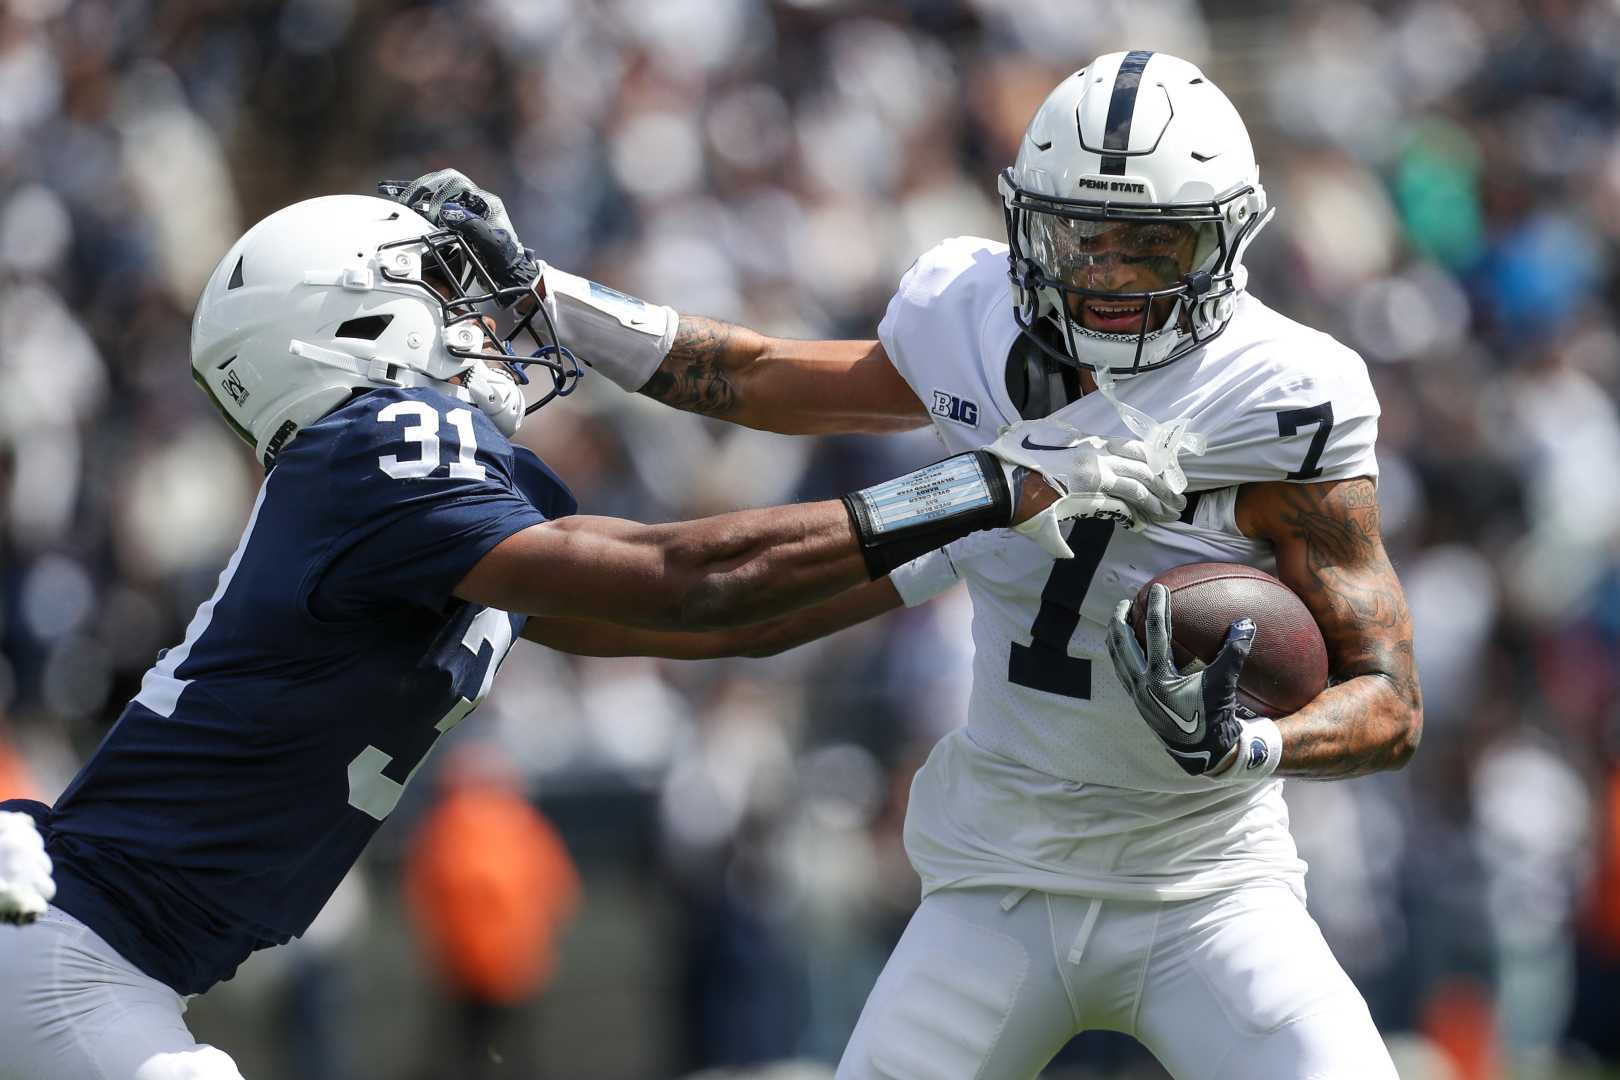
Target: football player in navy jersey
<point x="398" y="546"/>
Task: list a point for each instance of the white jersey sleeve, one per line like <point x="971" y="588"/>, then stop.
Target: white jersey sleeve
<point x="1308" y="416"/>
<point x="949" y="314"/>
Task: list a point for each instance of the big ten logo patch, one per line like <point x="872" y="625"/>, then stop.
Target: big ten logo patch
<point x="955" y="408"/>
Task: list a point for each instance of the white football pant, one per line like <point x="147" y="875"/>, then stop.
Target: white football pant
<point x="71" y="1008"/>
<point x="987" y="984"/>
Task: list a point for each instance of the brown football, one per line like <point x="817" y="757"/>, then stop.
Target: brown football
<point x="1287" y="665"/>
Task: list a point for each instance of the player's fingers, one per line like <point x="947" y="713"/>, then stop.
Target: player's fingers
<point x="494" y="211"/>
<point x="1129" y="662"/>
<point x="1158" y="633"/>
<point x="502" y="257"/>
<point x="1147" y="504"/>
<point x="1145" y="482"/>
<point x="1133" y="449"/>
<point x="1228" y="665"/>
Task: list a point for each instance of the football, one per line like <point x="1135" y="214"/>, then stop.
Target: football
<point x="1287" y="665"/>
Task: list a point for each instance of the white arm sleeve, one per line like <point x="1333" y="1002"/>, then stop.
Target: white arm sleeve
<point x="622" y="336"/>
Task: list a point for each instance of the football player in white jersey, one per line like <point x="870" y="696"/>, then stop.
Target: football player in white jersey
<point x="1105" y="844"/>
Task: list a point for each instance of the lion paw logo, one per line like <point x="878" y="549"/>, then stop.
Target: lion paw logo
<point x="1258" y="753"/>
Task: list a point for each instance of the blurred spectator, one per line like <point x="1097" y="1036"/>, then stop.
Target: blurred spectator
<point x="490" y="887"/>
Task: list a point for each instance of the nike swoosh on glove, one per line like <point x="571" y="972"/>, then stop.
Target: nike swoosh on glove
<point x="1107" y="478"/>
<point x="1196" y="715"/>
<point x="25" y="870"/>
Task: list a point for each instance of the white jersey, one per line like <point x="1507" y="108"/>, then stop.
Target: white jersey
<point x="1056" y="782"/>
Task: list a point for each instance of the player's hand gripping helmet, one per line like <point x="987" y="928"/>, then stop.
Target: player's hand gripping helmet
<point x="340" y="293"/>
<point x="1128" y="211"/>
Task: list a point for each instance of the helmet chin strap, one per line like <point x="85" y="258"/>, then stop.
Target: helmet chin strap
<point x="497" y="395"/>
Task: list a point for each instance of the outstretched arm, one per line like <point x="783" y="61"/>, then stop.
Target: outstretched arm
<point x="697" y="364"/>
<point x="717" y="572"/>
<point x="1330" y="552"/>
<point x="587" y="637"/>
<point x="753" y="565"/>
<point x="779" y="384"/>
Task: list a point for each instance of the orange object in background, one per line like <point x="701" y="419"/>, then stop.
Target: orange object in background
<point x="16" y="782"/>
<point x="1459" y="1018"/>
<point x="1602" y="910"/>
<point x="489" y="883"/>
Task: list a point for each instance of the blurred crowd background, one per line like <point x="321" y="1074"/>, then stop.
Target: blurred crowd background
<point x="702" y="870"/>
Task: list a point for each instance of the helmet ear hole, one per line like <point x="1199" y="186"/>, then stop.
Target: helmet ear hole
<point x="365" y="328"/>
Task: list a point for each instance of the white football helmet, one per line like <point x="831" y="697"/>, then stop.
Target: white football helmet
<point x="1141" y="147"/>
<point x="340" y="293"/>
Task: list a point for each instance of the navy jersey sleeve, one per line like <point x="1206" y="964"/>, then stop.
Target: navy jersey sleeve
<point x="420" y="487"/>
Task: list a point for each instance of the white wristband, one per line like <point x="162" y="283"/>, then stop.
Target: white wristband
<point x="924" y="577"/>
<point x="1257" y="754"/>
<point x="622" y="337"/>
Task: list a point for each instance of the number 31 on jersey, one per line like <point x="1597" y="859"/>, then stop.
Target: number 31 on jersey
<point x="422" y="423"/>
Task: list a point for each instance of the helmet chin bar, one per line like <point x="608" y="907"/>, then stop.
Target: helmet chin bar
<point x="1182" y="322"/>
<point x="468" y="288"/>
<point x="1197" y="317"/>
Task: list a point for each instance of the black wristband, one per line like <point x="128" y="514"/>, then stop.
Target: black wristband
<point x="903" y="518"/>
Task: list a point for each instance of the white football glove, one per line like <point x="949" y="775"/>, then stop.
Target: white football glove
<point x="1107" y="478"/>
<point x="25" y="870"/>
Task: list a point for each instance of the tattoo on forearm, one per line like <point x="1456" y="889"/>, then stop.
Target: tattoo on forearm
<point x="694" y="376"/>
<point x="1339" y="529"/>
<point x="1364" y="723"/>
<point x="1352" y="730"/>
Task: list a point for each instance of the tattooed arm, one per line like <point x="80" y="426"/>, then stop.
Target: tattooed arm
<point x="783" y="385"/>
<point x="1370" y="717"/>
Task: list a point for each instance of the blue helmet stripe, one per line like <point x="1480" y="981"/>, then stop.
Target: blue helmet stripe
<point x="1121" y="107"/>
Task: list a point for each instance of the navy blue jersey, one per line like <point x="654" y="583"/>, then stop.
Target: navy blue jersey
<point x="262" y="753"/>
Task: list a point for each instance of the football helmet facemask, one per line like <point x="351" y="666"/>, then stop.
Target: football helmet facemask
<point x="345" y="292"/>
<point x="1133" y="199"/>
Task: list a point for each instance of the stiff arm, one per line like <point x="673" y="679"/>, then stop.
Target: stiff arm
<point x="716" y="572"/>
<point x="734" y="569"/>
<point x="1330" y="552"/>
